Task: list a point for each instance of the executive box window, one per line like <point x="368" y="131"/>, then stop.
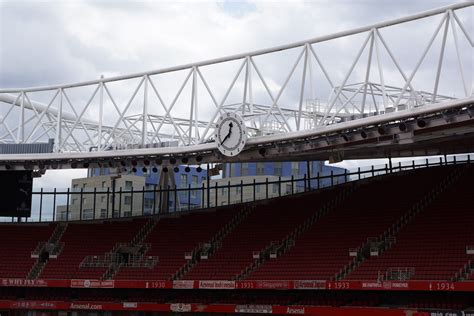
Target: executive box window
<point x="277" y="169"/>
<point x="194" y="184"/>
<point x="87" y="214"/>
<point x="183" y="180"/>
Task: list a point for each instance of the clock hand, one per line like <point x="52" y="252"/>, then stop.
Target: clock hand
<point x="228" y="134"/>
<point x="225" y="138"/>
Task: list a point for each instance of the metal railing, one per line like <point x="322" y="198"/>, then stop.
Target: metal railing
<point x="71" y="205"/>
<point x="470" y="250"/>
<point x="397" y="274"/>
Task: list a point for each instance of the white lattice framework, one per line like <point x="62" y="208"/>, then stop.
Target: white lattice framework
<point x="99" y="115"/>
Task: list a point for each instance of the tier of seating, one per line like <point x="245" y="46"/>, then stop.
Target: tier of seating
<point x="321" y="252"/>
<point x="172" y="237"/>
<point x="266" y="224"/>
<point x="18" y="241"/>
<point x="433" y="245"/>
<point x="89" y="239"/>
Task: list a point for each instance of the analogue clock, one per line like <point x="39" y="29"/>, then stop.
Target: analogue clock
<point x="231" y="134"/>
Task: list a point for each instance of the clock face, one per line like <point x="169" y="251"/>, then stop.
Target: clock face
<point x="231" y="134"/>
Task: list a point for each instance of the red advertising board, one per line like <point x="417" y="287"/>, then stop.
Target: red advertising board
<point x="211" y="308"/>
<point x="95" y="284"/>
<point x="222" y="308"/>
<point x="25" y="283"/>
<point x="440" y="286"/>
<point x="183" y="284"/>
<point x="264" y="285"/>
<point x="217" y="285"/>
<point x="309" y="285"/>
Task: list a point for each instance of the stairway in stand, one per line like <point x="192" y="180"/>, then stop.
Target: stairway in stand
<point x="206" y="250"/>
<point x="277" y="248"/>
<point x="83" y="239"/>
<point x="323" y="251"/>
<point x="45" y="251"/>
<point x="130" y="254"/>
<point x="269" y="222"/>
<point x="444" y="226"/>
<point x="176" y="236"/>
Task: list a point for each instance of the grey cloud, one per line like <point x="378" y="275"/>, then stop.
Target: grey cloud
<point x="52" y="42"/>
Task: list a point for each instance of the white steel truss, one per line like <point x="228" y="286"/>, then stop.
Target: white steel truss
<point x="104" y="118"/>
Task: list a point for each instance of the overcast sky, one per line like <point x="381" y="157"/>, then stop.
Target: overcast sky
<point x="52" y="42"/>
<point x="48" y="42"/>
